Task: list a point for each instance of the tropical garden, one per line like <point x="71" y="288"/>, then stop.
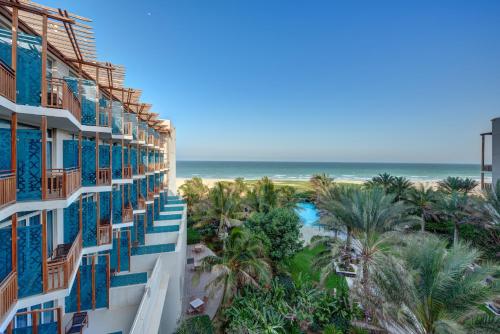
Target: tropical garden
<point x="400" y="258"/>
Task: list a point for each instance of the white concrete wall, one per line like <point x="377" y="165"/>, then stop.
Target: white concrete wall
<point x="495" y="148"/>
<point x="125" y="295"/>
<point x="176" y="270"/>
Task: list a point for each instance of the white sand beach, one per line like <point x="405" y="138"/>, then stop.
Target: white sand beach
<point x="211" y="181"/>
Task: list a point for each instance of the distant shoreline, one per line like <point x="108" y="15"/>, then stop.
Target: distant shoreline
<point x="294" y="183"/>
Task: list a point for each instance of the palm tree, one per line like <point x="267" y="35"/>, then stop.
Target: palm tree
<point x="240" y="186"/>
<point x="320" y="182"/>
<point x="375" y="216"/>
<point x="263" y="196"/>
<point x="431" y="289"/>
<point x="193" y="191"/>
<point x="384" y="180"/>
<point x="422" y="199"/>
<point x="371" y="215"/>
<point x="457" y="184"/>
<point x="491" y="204"/>
<point x="287" y="197"/>
<point x="400" y="187"/>
<point x="457" y="207"/>
<point x="243" y="263"/>
<point x="225" y="207"/>
<point x="331" y="203"/>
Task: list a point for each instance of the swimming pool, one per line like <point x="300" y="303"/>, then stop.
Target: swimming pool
<point x="308" y="213"/>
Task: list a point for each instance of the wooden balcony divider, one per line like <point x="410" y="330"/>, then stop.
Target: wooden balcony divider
<point x="127" y="129"/>
<point x="7" y="188"/>
<point x="151" y="139"/>
<point x="128" y="214"/>
<point x="127" y="172"/>
<point x="141" y="203"/>
<point x="8" y="293"/>
<point x="36" y="314"/>
<point x="104" y="233"/>
<point x="61" y="183"/>
<point x="63" y="263"/>
<point x="60" y="96"/>
<point x="151" y="196"/>
<point x="7" y="82"/>
<point x="104" y="176"/>
<point x="142" y="169"/>
<point x="141" y="136"/>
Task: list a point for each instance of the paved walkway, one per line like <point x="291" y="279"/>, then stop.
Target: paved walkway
<point x="195" y="288"/>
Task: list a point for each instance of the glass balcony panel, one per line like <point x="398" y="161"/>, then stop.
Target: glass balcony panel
<point x="117" y="118"/>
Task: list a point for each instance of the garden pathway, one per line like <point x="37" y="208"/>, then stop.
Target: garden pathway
<point x="194" y="287"/>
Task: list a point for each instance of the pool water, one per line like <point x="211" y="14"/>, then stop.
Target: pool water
<point x="308" y="214"/>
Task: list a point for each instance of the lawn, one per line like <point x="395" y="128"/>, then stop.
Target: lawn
<point x="301" y="263"/>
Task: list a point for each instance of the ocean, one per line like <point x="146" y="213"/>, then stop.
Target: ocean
<point x="356" y="171"/>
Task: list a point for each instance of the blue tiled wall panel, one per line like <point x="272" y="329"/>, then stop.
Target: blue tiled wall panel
<point x="29" y="164"/>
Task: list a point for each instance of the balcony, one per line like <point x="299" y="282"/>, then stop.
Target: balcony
<point x="104" y="176"/>
<point x="8" y="293"/>
<point x="141" y="136"/>
<point x="7" y="188"/>
<point x="60" y="96"/>
<point x="127" y="172"/>
<point x="104" y="233"/>
<point x="142" y="169"/>
<point x="61" y="183"/>
<point x="128" y="214"/>
<point x="141" y="203"/>
<point x="151" y="167"/>
<point x="105" y="117"/>
<point x="487" y="168"/>
<point x="46" y="320"/>
<point x="7" y="82"/>
<point x="63" y="263"/>
<point x="127" y="129"/>
<point x="151" y="196"/>
<point x="151" y="140"/>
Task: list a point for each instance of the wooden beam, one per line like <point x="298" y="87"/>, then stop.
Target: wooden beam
<point x="14" y="242"/>
<point x="80" y="150"/>
<point x="97" y="109"/>
<point x="81" y="213"/>
<point x="93" y="282"/>
<point x="59" y="320"/>
<point x="129" y="249"/>
<point x="44" y="157"/>
<point x="108" y="280"/>
<point x="44" y="61"/>
<point x="13" y="142"/>
<point x="78" y="281"/>
<point x="45" y="278"/>
<point x="118" y="245"/>
<point x="33" y="10"/>
<point x="97" y="157"/>
<point x="15" y="27"/>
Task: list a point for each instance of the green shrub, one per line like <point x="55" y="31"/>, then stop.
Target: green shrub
<point x="197" y="325"/>
<point x="281" y="226"/>
<point x="193" y="236"/>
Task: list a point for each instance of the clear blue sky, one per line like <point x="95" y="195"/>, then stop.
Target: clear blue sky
<point x="399" y="81"/>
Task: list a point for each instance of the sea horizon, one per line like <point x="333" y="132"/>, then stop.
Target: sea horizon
<point x="296" y="170"/>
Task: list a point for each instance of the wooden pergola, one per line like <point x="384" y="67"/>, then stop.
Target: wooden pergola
<point x="70" y="37"/>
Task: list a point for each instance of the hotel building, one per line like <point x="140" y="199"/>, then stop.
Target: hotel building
<point x="92" y="238"/>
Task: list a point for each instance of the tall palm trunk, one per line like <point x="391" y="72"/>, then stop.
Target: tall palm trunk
<point x="422" y="223"/>
<point x="455" y="234"/>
